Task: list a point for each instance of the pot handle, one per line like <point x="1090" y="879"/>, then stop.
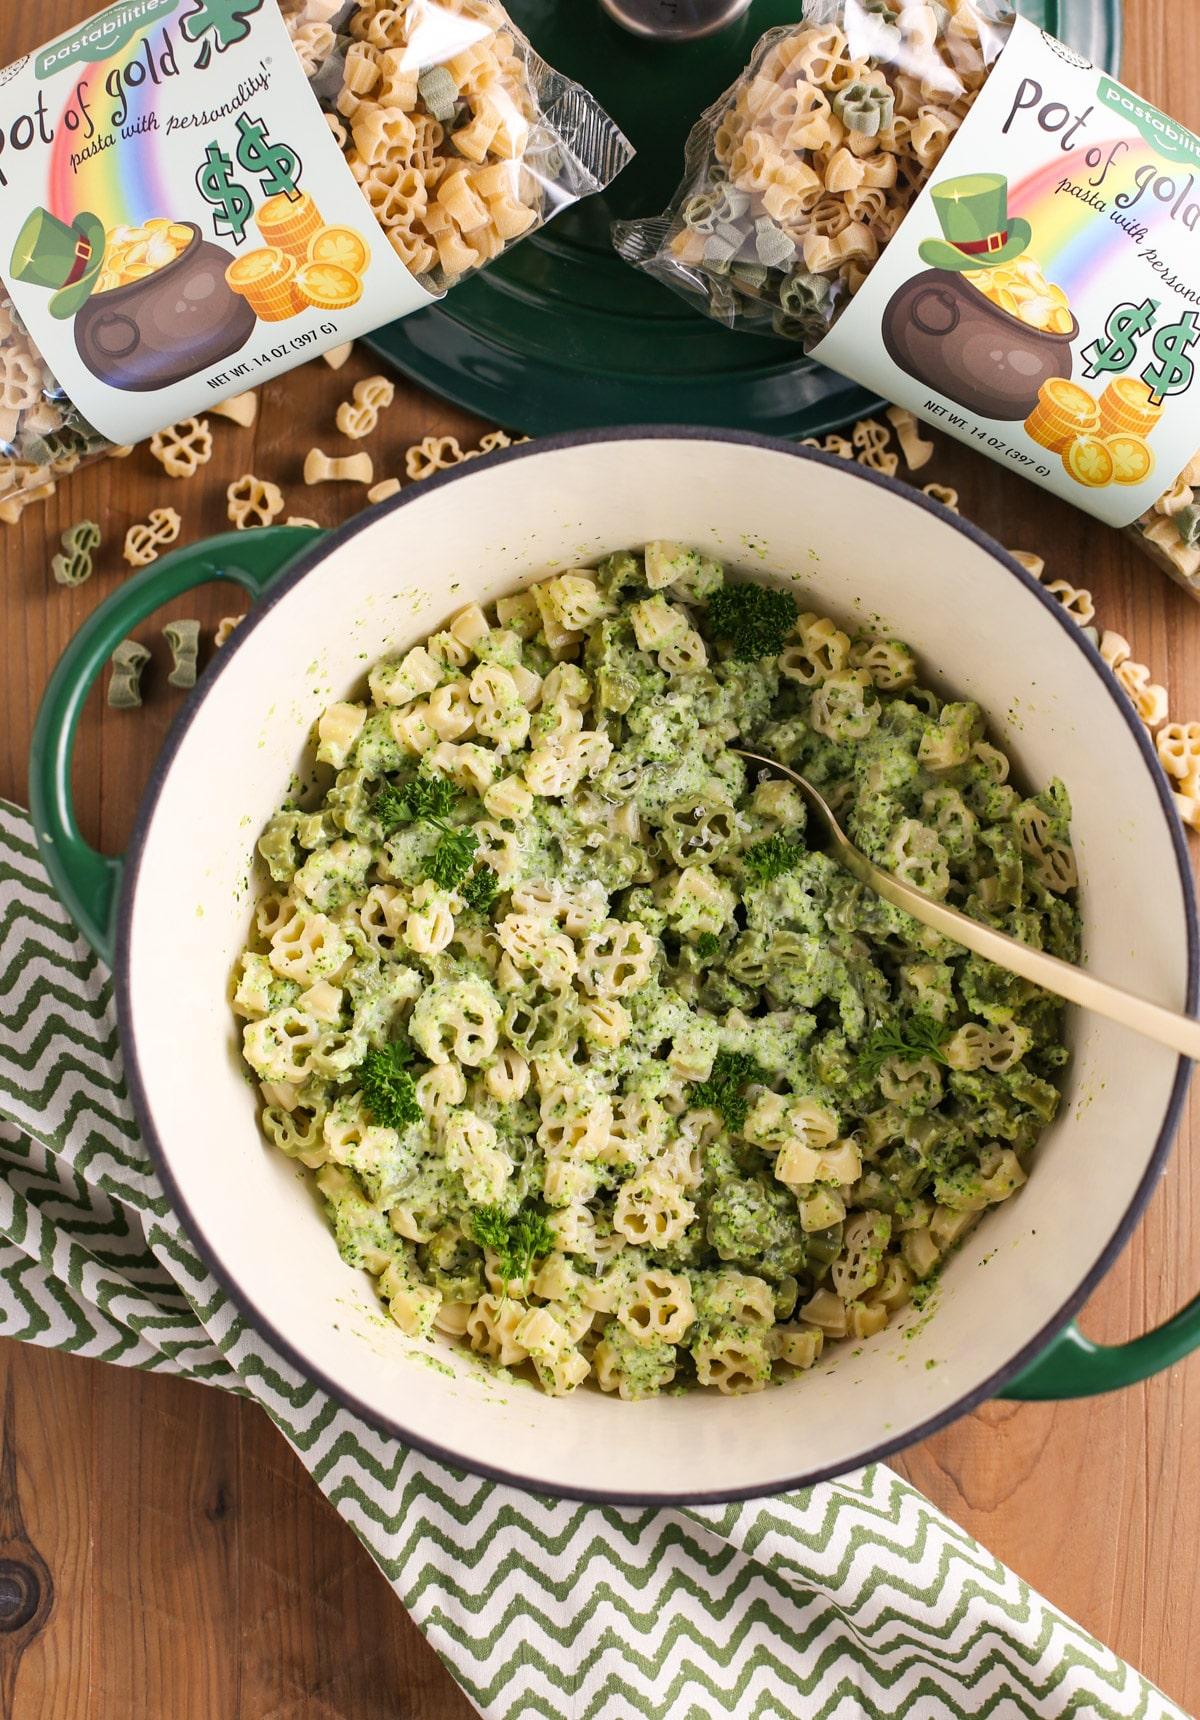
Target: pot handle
<point x="946" y="303"/>
<point x="1072" y="1366"/>
<point x="87" y="882"/>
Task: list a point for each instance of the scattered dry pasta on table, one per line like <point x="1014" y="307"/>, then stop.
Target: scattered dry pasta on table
<point x="125" y="683"/>
<point x="254" y="502"/>
<point x="183" y="640"/>
<point x="144" y="541"/>
<point x="321" y="468"/>
<point x="359" y="416"/>
<point x="181" y="449"/>
<point x="74" y="564"/>
<point x="241" y="410"/>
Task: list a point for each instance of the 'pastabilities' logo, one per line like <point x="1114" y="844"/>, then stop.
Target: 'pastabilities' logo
<point x="102" y="36"/>
<point x="1171" y="140"/>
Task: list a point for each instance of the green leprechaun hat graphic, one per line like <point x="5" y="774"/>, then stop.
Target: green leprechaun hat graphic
<point x="979" y="233"/>
<point x="65" y="260"/>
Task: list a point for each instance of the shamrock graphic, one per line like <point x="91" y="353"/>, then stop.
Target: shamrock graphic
<point x="222" y="20"/>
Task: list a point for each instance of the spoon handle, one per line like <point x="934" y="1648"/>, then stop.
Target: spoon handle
<point x="1180" y="1032"/>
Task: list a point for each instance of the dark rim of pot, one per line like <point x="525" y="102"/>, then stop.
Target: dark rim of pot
<point x="297" y="570"/>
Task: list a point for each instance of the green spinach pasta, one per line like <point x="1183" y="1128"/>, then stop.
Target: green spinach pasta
<point x="603" y="1069"/>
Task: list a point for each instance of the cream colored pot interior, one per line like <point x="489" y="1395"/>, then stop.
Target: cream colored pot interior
<point x="853" y="548"/>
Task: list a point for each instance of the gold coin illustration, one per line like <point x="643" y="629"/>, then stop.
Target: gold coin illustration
<point x="132" y="253"/>
<point x="1021" y="290"/>
<point x="258" y="268"/>
<point x="341" y="245"/>
<point x="328" y="286"/>
<point x="1089" y="461"/>
<point x="290" y="223"/>
<point x="1046" y="433"/>
<point x="264" y="278"/>
<point x="1132" y="459"/>
<point x="1066" y="400"/>
<point x="1125" y="405"/>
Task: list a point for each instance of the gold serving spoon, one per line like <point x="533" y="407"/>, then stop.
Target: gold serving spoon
<point x="1180" y="1032"/>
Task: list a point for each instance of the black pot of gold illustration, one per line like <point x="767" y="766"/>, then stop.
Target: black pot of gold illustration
<point x="168" y="312"/>
<point x="151" y="303"/>
<point x="982" y="327"/>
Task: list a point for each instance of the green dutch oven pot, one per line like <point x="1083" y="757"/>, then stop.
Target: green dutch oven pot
<point x="172" y="914"/>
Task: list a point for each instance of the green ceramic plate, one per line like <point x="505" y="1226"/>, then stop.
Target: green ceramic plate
<point x="560" y="334"/>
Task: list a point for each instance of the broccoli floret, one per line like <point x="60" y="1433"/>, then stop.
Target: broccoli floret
<point x="753" y="1222"/>
<point x="387" y="1086"/>
<point x="755" y="618"/>
<point x="772" y="857"/>
<point x="481" y="889"/>
<point x="708" y="945"/>
<point x="731" y="1072"/>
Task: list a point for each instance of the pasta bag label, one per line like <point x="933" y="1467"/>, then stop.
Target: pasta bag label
<point x="177" y="221"/>
<point x="1041" y="298"/>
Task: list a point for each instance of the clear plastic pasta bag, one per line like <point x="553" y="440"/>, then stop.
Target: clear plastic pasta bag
<point x="461" y="140"/>
<point x="797" y="177"/>
<point x="1169" y="532"/>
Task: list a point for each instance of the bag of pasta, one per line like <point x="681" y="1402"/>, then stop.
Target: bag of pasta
<point x="196" y="195"/>
<point x="965" y="216"/>
<point x="798" y="176"/>
<point x="1169" y="531"/>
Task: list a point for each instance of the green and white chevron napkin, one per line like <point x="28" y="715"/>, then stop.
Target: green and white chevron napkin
<point x="853" y="1598"/>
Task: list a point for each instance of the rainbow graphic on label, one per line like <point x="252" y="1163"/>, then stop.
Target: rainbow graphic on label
<point x="128" y="185"/>
<point x="1078" y="241"/>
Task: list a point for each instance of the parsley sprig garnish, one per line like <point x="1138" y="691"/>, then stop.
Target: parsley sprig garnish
<point x="517" y="1240"/>
<point x="732" y="1071"/>
<point x="453" y="857"/>
<point x="771" y="858"/>
<point x="428" y="799"/>
<point x="422" y="797"/>
<point x="922" y="1035"/>
<point x="387" y="1085"/>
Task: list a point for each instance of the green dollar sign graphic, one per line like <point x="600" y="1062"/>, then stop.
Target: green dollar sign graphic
<point x="1125" y="325"/>
<point x="277" y="165"/>
<point x="1174" y="370"/>
<point x="231" y="201"/>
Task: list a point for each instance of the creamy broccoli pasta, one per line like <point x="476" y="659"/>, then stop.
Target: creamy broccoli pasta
<point x="601" y="1068"/>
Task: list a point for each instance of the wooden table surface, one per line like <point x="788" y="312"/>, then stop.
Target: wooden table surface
<point x="197" y="1570"/>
